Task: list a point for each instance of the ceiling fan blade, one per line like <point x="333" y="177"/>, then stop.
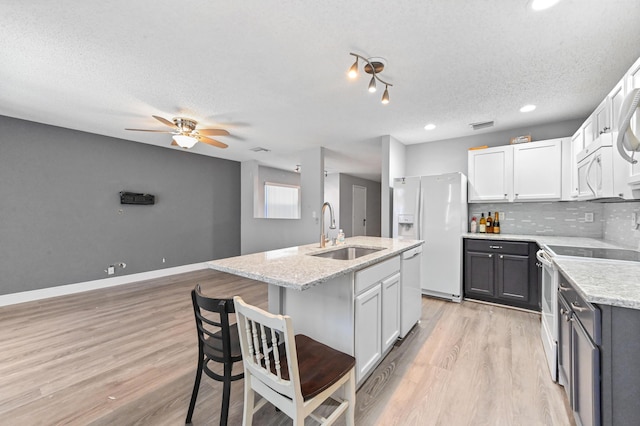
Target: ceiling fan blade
<point x="212" y="132"/>
<point x="210" y="141"/>
<point x="155" y="131"/>
<point x="165" y="122"/>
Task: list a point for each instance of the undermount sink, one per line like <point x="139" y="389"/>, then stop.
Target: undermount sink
<point x="347" y="253"/>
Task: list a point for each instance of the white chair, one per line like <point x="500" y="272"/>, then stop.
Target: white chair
<point x="294" y="373"/>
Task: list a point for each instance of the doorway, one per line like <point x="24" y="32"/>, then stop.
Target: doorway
<point x="359" y="209"/>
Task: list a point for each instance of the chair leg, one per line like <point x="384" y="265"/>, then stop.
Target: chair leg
<point x="247" y="413"/>
<point x="226" y="393"/>
<point x="194" y="393"/>
<point x="350" y="396"/>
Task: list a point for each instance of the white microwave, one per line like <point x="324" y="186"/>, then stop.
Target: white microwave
<point x="595" y="174"/>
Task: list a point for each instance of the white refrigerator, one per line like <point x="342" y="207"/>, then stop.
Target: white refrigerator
<point x="434" y="209"/>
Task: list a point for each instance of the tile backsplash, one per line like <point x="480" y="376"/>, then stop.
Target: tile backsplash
<point x="611" y="221"/>
<point x="561" y="219"/>
<point x="619" y="227"/>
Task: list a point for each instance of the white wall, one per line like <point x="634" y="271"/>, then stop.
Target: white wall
<point x="259" y="234"/>
<point x="269" y="174"/>
<point x="393" y="165"/>
<point x="332" y="195"/>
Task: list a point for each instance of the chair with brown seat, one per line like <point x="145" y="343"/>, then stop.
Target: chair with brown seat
<point x="294" y="373"/>
<point x="217" y="342"/>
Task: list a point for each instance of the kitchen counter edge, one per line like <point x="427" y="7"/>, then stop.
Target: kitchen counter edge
<point x="295" y="268"/>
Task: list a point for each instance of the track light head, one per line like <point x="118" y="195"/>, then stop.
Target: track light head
<point x="385" y="95"/>
<point x="372" y="85"/>
<point x="353" y="71"/>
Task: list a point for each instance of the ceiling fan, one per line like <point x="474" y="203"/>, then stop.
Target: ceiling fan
<point x="185" y="133"/>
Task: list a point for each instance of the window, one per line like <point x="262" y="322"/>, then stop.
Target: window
<point x="281" y="201"/>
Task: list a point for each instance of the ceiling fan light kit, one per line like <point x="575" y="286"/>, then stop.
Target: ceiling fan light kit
<point x="186" y="134"/>
<point x="373" y="66"/>
<point x="185" y="141"/>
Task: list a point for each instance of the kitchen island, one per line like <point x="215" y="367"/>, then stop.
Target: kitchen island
<point x="352" y="305"/>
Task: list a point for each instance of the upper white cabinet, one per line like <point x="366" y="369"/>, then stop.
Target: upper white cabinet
<point x="522" y="172"/>
<point x="597" y="170"/>
<point x="570" y="163"/>
<point x="601" y="119"/>
<point x="537" y="170"/>
<point x="491" y="174"/>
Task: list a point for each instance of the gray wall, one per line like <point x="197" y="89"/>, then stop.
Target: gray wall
<point x="346" y="204"/>
<point x="445" y="156"/>
<point x="61" y="220"/>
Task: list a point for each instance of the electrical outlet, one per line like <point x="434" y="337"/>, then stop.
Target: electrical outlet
<point x="588" y="217"/>
<point x="111" y="270"/>
<point x="501" y="216"/>
<point x="634" y="217"/>
<point x="164" y="260"/>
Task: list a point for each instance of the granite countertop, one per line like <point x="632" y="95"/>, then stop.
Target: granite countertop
<point x="293" y="267"/>
<point x="599" y="281"/>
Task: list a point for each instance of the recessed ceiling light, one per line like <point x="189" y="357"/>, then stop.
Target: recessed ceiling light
<point x="543" y="4"/>
<point x="527" y="108"/>
<point x="430" y="126"/>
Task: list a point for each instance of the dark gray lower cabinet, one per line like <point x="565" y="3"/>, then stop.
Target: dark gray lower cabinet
<point x="620" y="365"/>
<point x="502" y="272"/>
<point x="579" y="333"/>
<point x="598" y="359"/>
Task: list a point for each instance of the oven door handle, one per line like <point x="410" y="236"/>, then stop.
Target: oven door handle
<point x="543" y="257"/>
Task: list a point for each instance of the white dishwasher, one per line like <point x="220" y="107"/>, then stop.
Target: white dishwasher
<point x="410" y="289"/>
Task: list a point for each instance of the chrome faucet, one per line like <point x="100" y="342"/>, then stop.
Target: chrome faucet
<point x="323" y="238"/>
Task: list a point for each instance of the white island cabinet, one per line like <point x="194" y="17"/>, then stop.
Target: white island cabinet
<point x="351" y="305"/>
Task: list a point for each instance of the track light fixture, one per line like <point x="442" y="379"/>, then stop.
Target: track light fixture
<point x="372" y="67"/>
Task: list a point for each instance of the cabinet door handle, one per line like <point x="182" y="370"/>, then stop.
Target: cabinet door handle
<point x="505" y="195"/>
<point x="576" y="306"/>
<point x="490" y="256"/>
<point x="495" y="247"/>
<point x="563" y="288"/>
<point x="501" y="257"/>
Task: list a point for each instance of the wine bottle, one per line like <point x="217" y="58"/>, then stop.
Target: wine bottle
<point x="489" y="224"/>
<point x="496" y="224"/>
<point x="483" y="224"/>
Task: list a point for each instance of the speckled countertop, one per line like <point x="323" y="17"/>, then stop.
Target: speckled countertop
<point x="293" y="267"/>
<point x="600" y="281"/>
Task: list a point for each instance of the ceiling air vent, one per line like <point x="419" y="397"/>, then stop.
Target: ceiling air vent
<point x="481" y="125"/>
<point x="259" y="149"/>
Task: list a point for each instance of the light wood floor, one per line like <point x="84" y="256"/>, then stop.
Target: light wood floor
<point x="127" y="355"/>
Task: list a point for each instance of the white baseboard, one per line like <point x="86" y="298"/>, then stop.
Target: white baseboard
<point x="44" y="293"/>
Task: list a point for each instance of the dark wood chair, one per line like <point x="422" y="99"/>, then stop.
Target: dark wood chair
<point x="293" y="372"/>
<point x="217" y="342"/>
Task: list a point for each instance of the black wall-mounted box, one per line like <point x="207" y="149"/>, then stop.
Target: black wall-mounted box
<point x="135" y="198"/>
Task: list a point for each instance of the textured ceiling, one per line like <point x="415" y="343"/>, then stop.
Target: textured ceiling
<point x="273" y="73"/>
